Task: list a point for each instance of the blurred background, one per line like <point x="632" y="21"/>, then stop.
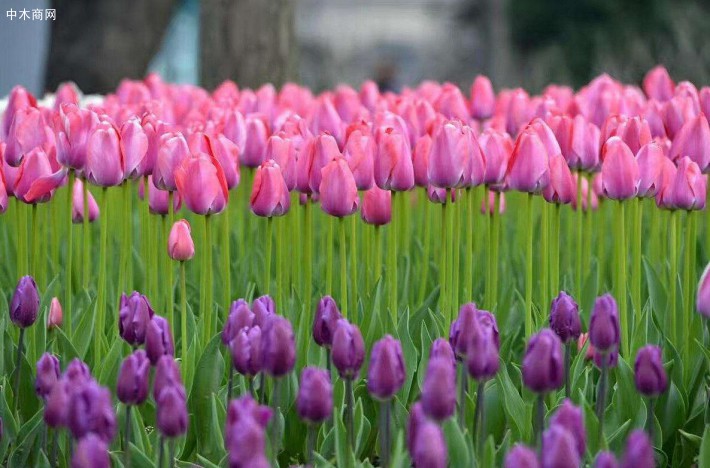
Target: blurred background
<point x="321" y="43"/>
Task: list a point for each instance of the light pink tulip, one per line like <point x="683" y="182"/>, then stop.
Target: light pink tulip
<point x="27" y="132"/>
<point x="689" y="187"/>
<point x="528" y="167"/>
<point x="134" y="146"/>
<point x="359" y="152"/>
<point x="377" y="206"/>
<point x="257" y="133"/>
<point x="73" y="134"/>
<point x="77" y="207"/>
<point x="693" y="140"/>
<point x="620" y="170"/>
<point x="201" y="184"/>
<point x="269" y="195"/>
<point x="650" y="160"/>
<point x="483" y="98"/>
<point x="172" y="151"/>
<point x="449" y="156"/>
<point x="317" y="152"/>
<point x="180" y="244"/>
<point x="282" y="150"/>
<point x="18" y="99"/>
<point x="496" y="147"/>
<point x="35" y="181"/>
<point x="658" y="85"/>
<point x="561" y="188"/>
<point x="105" y="163"/>
<point x="338" y="192"/>
<point x="394" y="169"/>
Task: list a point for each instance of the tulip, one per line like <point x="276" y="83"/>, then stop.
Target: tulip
<point x="488" y="204"/>
<point x="658" y="85"/>
<point x="561" y="189"/>
<point x="650" y="160"/>
<point x="394" y="169"/>
<point x="441" y="348"/>
<point x="314" y="402"/>
<point x="325" y="322"/>
<point x="91" y="452"/>
<point x="77" y="211"/>
<point x="338" y="192"/>
<point x="317" y="152"/>
<point x="180" y="245"/>
<point x="483" y="98"/>
<point x="449" y="156"/>
<point x="359" y="152"/>
<point x="620" y="170"/>
<point x="257" y="132"/>
<point x="246" y="351"/>
<point x="564" y="318"/>
<point x="55" y="316"/>
<point x="571" y="418"/>
<point x="688" y="188"/>
<point x="482" y="353"/>
<point x="47" y="375"/>
<point x="348" y="349"/>
<point x="226" y="153"/>
<point x="133" y="382"/>
<point x="416" y="419"/>
<point x="167" y="374"/>
<point x="584" y="150"/>
<point x="497" y="148"/>
<point x="18" y="99"/>
<point x="521" y="456"/>
<point x="377" y="206"/>
<point x="430" y="447"/>
<point x="263" y="307"/>
<point x="158" y="339"/>
<point x="420" y="160"/>
<point x="201" y="184"/>
<point x="135" y="314"/>
<point x="77" y="372"/>
<point x="55" y="408"/>
<point x="605" y="460"/>
<point x="35" y="181"/>
<point x="240" y="316"/>
<point x="158" y="199"/>
<point x="635" y="132"/>
<point x="134" y="146"/>
<point x="28" y="131"/>
<point x="25" y="303"/>
<point x="638" y="452"/>
<point x="90" y="410"/>
<point x="244" y="433"/>
<point x="172" y="151"/>
<point x="649" y="374"/>
<point x="451" y="103"/>
<point x="604" y="324"/>
<point x="171" y="414"/>
<point x="702" y="300"/>
<point x="105" y="160"/>
<point x="73" y="135"/>
<point x="269" y="196"/>
<point x="439" y="389"/>
<point x="325" y="118"/>
<point x="559" y="449"/>
<point x="278" y="346"/>
<point x="282" y="150"/>
<point x="440" y="195"/>
<point x="517" y="112"/>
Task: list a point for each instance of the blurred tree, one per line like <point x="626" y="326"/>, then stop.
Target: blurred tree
<point x="248" y="41"/>
<point x="96" y="43"/>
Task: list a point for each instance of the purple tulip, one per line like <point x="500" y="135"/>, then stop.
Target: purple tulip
<point x="649" y="375"/>
<point x="604" y="324"/>
<point x="638" y="452"/>
<point x="91" y="452"/>
<point x="429" y="446"/>
<point x="133" y="381"/>
<point x="90" y="410"/>
<point x="240" y="316"/>
<point x="171" y="414"/>
<point x="571" y="418"/>
<point x="521" y="456"/>
<point x="482" y="359"/>
<point x="348" y="352"/>
<point x="47" y="375"/>
<point x="25" y="303"/>
<point x="543" y="369"/>
<point x="386" y="373"/>
<point x="158" y="339"/>
<point x="439" y="389"/>
<point x="564" y="317"/>
<point x="55" y="409"/>
<point x="167" y="374"/>
<point x="315" y="396"/>
<point x="244" y="433"/>
<point x="559" y="448"/>
<point x="441" y="348"/>
<point x="246" y="351"/>
<point x="459" y="334"/>
<point x="609" y="358"/>
<point x="262" y="307"/>
<point x="77" y="372"/>
<point x="133" y="318"/>
<point x="247" y="408"/>
<point x="605" y="460"/>
<point x="415" y="421"/>
<point x="278" y="346"/>
<point x="326" y="319"/>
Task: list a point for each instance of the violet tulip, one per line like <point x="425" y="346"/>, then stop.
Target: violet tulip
<point x="386" y="372"/>
<point x="133" y="381"/>
<point x="240" y="316"/>
<point x="348" y="349"/>
<point x="167" y="374"/>
<point x="47" y="375"/>
<point x="158" y="339"/>
<point x="559" y="449"/>
<point x="171" y="414"/>
<point x="638" y="452"/>
<point x="564" y="318"/>
<point x="521" y="456"/>
<point x="314" y="402"/>
<point x="325" y="321"/>
<point x="439" y="389"/>
<point x="605" y="460"/>
<point x="246" y="351"/>
<point x="278" y="346"/>
<point x="543" y="369"/>
<point x="430" y="449"/>
<point x="135" y="313"/>
<point x="571" y="418"/>
<point x="604" y="324"/>
<point x="649" y="375"/>
<point x="91" y="452"/>
<point x="24" y="306"/>
<point x="90" y="410"/>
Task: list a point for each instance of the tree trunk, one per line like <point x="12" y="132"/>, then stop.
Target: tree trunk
<point x="96" y="43"/>
<point x="248" y="41"/>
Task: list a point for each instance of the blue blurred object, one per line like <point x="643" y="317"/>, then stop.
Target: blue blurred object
<point x="177" y="61"/>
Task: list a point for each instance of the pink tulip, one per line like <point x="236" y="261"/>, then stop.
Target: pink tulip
<point x="27" y="132"/>
<point x="369" y="95"/>
<point x="257" y="133"/>
<point x="668" y="175"/>
<point x="224" y="151"/>
<point x="547" y="136"/>
<point x="105" y="163"/>
<point x="281" y="149"/>
<point x="585" y="192"/>
<point x="420" y="160"/>
<point x="55" y="315"/>
<point x="635" y="132"/>
<point x="704" y="97"/>
<point x="418" y="115"/>
<point x="201" y="184"/>
<point x="452" y="104"/>
<point x="562" y="126"/>
<point x="35" y="181"/>
<point x="269" y="195"/>
<point x="75" y="127"/>
<point x="180" y="245"/>
<point x="677" y="112"/>
<point x="317" y="152"/>
<point x="518" y="113"/>
<point x="689" y="187"/>
<point x="483" y="98"/>
<point x="67" y="93"/>
<point x="449" y="155"/>
<point x="158" y="199"/>
<point x="561" y="188"/>
<point x="620" y="170"/>
<point x="693" y="140"/>
<point x="650" y="160"/>
<point x="585" y="145"/>
<point x="359" y="152"/>
<point x="377" y="206"/>
<point x="488" y="203"/>
<point x="658" y="85"/>
<point x="77" y="207"/>
<point x="134" y="146"/>
<point x="476" y="163"/>
<point x="235" y="128"/>
<point x="338" y="192"/>
<point x="394" y="169"/>
<point x="528" y="167"/>
<point x="172" y="152"/>
<point x="18" y="99"/>
<point x="440" y="195"/>
<point x="653" y="113"/>
<point x="496" y="147"/>
<point x="325" y="118"/>
<point x="3" y="190"/>
<point x="347" y="102"/>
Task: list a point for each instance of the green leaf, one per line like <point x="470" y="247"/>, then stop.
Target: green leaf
<point x="459" y="454"/>
<point x="515" y="407"/>
<point x="138" y="458"/>
<point x="410" y="357"/>
<point x="704" y="453"/>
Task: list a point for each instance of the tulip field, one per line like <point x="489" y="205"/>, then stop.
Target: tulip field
<point x="430" y="278"/>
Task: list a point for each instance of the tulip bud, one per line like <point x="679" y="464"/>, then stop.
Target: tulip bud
<point x="180" y="244"/>
<point x="483" y="98"/>
<point x="441" y="348"/>
<point x="449" y="155"/>
<point x="386" y="372"/>
<point x="159" y="199"/>
<point x="348" y="349"/>
<point x="543" y="369"/>
<point x="55" y="316"/>
<point x="269" y="196"/>
<point x="91" y="452"/>
<point x="172" y="151"/>
<point x="649" y="375"/>
<point x="90" y="410"/>
<point x="620" y="170"/>
<point x="415" y="421"/>
<point x="262" y="307"/>
<point x="47" y="375"/>
<point x="688" y="189"/>
<point x="482" y="357"/>
<point x="278" y="346"/>
<point x="77" y="372"/>
<point x="55" y="408"/>
<point x="420" y="160"/>
<point x="394" y="169"/>
<point x="560" y="448"/>
<point x="171" y="414"/>
<point x="521" y="456"/>
<point x="377" y="206"/>
<point x="202" y="185"/>
<point x="326" y="319"/>
<point x="158" y="339"/>
<point x="77" y="210"/>
<point x="462" y="329"/>
<point x="359" y="152"/>
<point x="105" y="162"/>
<point x="604" y="324"/>
<point x="528" y="167"/>
<point x="693" y="140"/>
<point x="658" y="84"/>
<point x="564" y="318"/>
<point x="338" y="192"/>
<point x="561" y="189"/>
<point x="133" y="382"/>
<point x="440" y="195"/>
<point x="605" y="460"/>
<point x="635" y="132"/>
<point x="429" y="446"/>
<point x="239" y="317"/>
<point x="650" y="159"/>
<point x="638" y="452"/>
<point x="609" y="358"/>
<point x="571" y="418"/>
<point x="25" y="303"/>
<point x="167" y="374"/>
<point x="133" y="318"/>
<point x="314" y="402"/>
<point x="245" y="349"/>
<point x="244" y="433"/>
<point x="497" y="148"/>
<point x="257" y="132"/>
<point x="702" y="300"/>
<point x="439" y="389"/>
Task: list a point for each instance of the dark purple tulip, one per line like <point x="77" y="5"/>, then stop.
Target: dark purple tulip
<point x="262" y="307"/>
<point x="430" y="446"/>
<point x="611" y="357"/>
<point x="171" y="417"/>
<point x="247" y="408"/>
<point x="348" y="352"/>
<point x="488" y="320"/>
<point x="91" y="452"/>
<point x="158" y="339"/>
<point x="245" y="349"/>
<point x="564" y="317"/>
<point x="521" y="456"/>
<point x="167" y="374"/>
<point x="560" y="448"/>
<point x="240" y="316"/>
<point x="25" y="303"/>
<point x="246" y="443"/>
<point x="543" y="367"/>
<point x="278" y="346"/>
<point x="133" y="382"/>
<point x="638" y="452"/>
<point x="571" y="418"/>
<point x="649" y="375"/>
<point x="55" y="409"/>
<point x="387" y="372"/>
<point x="482" y="360"/>
<point x="77" y="372"/>
<point x="605" y="460"/>
<point x="133" y="318"/>
<point x="315" y="396"/>
<point x="439" y="389"/>
<point x="441" y="348"/>
<point x="415" y="421"/>
<point x="326" y="319"/>
<point x="604" y="324"/>
<point x="47" y="374"/>
<point x="91" y="410"/>
<point x="459" y="334"/>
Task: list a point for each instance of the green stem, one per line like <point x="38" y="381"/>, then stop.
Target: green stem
<point x="601" y="396"/>
<point x="443" y="253"/>
<point x="127" y="439"/>
<point x="123" y="227"/>
<point x="279" y="261"/>
<point x="267" y="259"/>
<point x="463" y="390"/>
<point x="35" y="243"/>
<point x="168" y="269"/>
<point x="579" y="224"/>
<point x="101" y="301"/>
<point x="385" y="433"/>
<point x="621" y="278"/>
<point x="489" y="252"/>
<point x="568" y="358"/>
<point x="479" y="430"/>
<point x="209" y="302"/>
<point x="308" y="253"/>
<point x="392" y="262"/>
<point x="350" y="413"/>
<point x="674" y="274"/>
<point x="18" y="368"/>
<point x="343" y="270"/>
<point x="353" y="263"/>
<point x="529" y="228"/>
<point x="688" y="311"/>
<point x="86" y="239"/>
<point x="539" y="419"/>
<point x="329" y="260"/>
<point x="544" y="256"/>
<point x="636" y="267"/>
<point x="226" y="261"/>
<point x="469" y="256"/>
<point x="495" y="219"/>
<point x="378" y="254"/>
<point x="69" y="257"/>
<point x="311" y="444"/>
<point x="183" y="311"/>
<point x="650" y="419"/>
<point x="425" y="257"/>
<point x="555" y="251"/>
<point x="455" y="254"/>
